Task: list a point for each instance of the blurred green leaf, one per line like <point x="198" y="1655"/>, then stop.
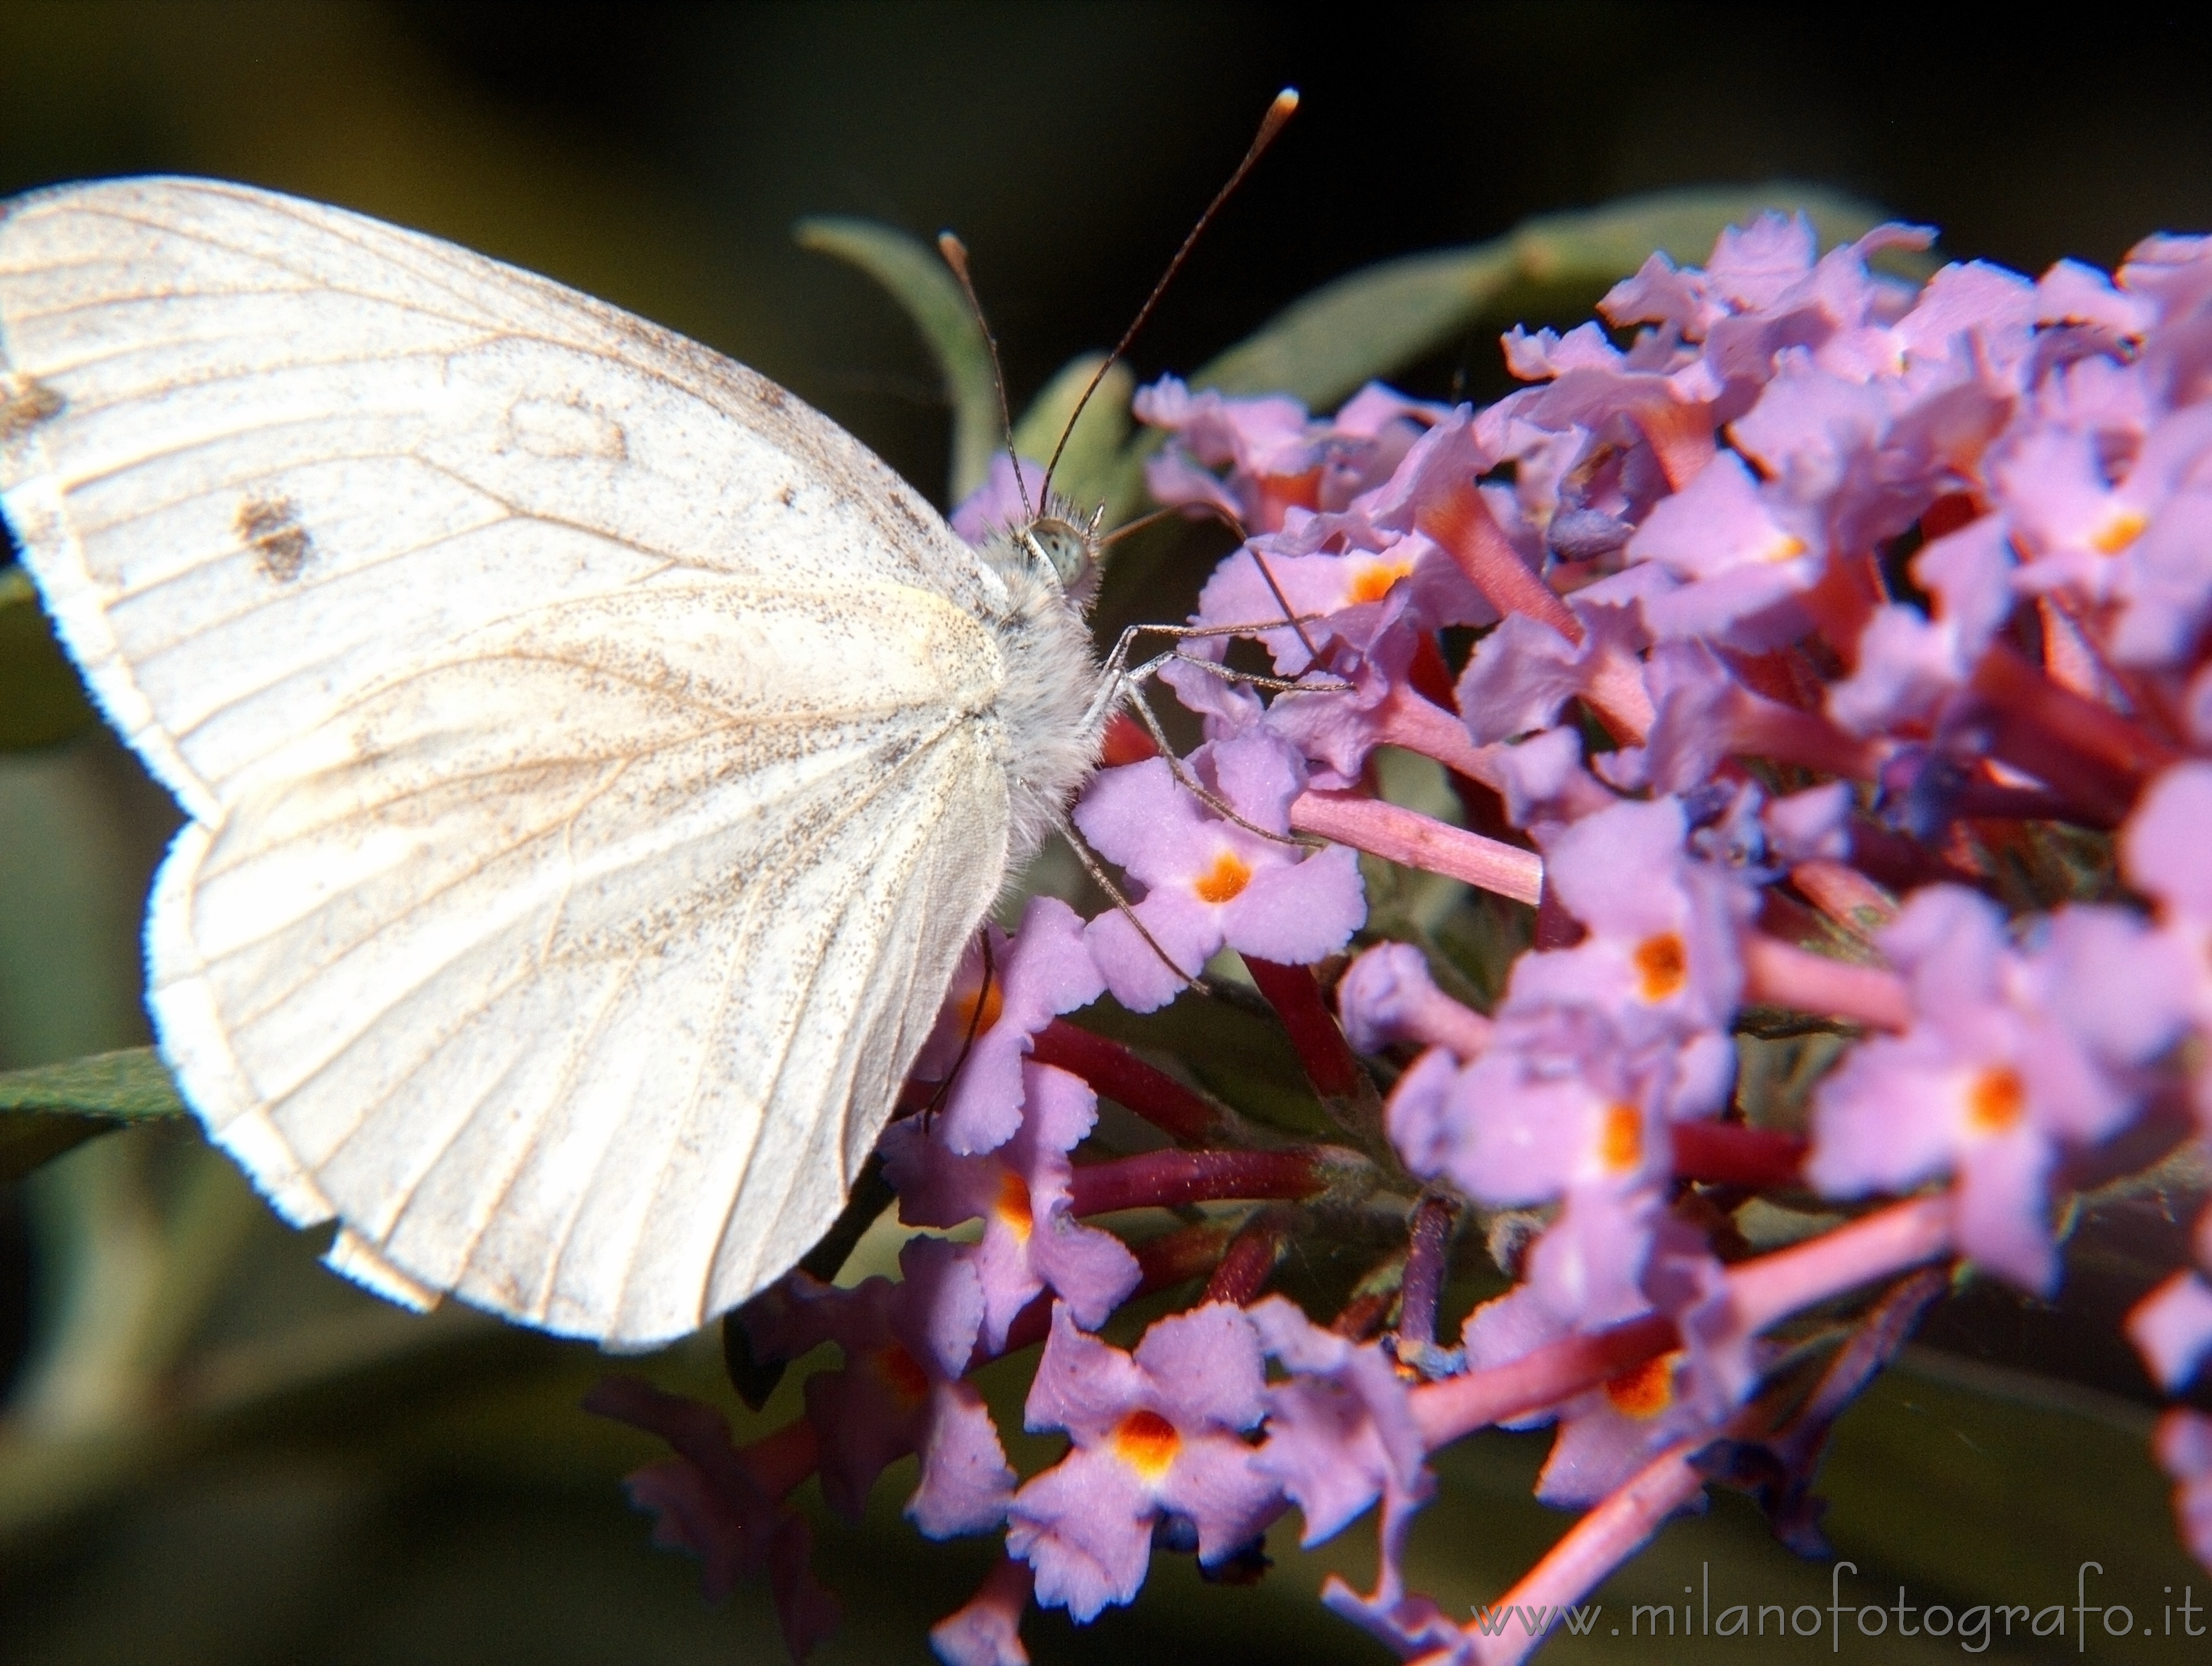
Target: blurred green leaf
<point x="46" y="1111"/>
<point x="919" y="282"/>
<point x="41" y="702"/>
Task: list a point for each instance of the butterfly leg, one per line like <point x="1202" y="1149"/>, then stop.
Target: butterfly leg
<point x="1096" y="870"/>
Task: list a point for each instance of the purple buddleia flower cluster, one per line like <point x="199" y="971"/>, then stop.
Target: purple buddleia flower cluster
<point x="1792" y="645"/>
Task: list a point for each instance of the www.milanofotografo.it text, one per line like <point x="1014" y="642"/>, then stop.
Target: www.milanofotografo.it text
<point x="2176" y="1614"/>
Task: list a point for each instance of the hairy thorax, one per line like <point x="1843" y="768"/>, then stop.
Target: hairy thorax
<point x="1049" y="714"/>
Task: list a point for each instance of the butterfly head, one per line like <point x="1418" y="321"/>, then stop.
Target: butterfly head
<point x="1057" y="542"/>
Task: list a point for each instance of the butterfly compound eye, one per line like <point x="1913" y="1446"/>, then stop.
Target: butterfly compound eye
<point x="1066" y="549"/>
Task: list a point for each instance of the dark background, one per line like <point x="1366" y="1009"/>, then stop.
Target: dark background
<point x="657" y="155"/>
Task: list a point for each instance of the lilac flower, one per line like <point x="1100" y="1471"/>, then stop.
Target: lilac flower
<point x="986" y="1630"/>
<point x="1610" y="1256"/>
<point x="1156" y="1434"/>
<point x="1279" y="461"/>
<point x="1811" y="825"/>
<point x="1521" y="675"/>
<point x="1207" y="881"/>
<point x="2172" y="1329"/>
<point x="1031" y="1241"/>
<point x="1559" y="1103"/>
<point x="1345" y="589"/>
<point x="2184" y="1444"/>
<point x="2009" y="1059"/>
<point x="1663" y="927"/>
<point x="1340" y="1429"/>
<point x="1906" y="663"/>
<point x="2137" y="538"/>
<point x="1043" y="970"/>
<point x="706" y="1500"/>
<point x="1744" y="556"/>
<point x="901" y="1388"/>
<point x="1387" y="996"/>
<point x="1341" y="1435"/>
<point x="1544" y="783"/>
<point x="2163" y="853"/>
<point x="1691" y="536"/>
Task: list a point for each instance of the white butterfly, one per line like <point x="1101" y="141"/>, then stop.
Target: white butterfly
<point x="596" y="759"/>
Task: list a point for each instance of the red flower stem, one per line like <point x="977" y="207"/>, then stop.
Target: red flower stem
<point x="1773" y="1286"/>
<point x="1406" y="719"/>
<point x="1680" y="435"/>
<point x="780" y="1459"/>
<point x="1612" y="1532"/>
<point x="1322" y="1051"/>
<point x="2085" y="752"/>
<point x="1164" y="1179"/>
<point x="1427" y="1242"/>
<point x="1127" y="741"/>
<point x="1555" y="928"/>
<point x="1461" y="524"/>
<point x="1766" y="728"/>
<point x="1841" y="601"/>
<point x="1172" y="1258"/>
<point x="1428" y="674"/>
<point x="1760" y="1292"/>
<point x="1729" y="1154"/>
<point x="1991" y="800"/>
<point x="1364" y="1315"/>
<point x="1845" y="896"/>
<point x="1781" y="975"/>
<point x="1250" y="1261"/>
<point x="1116" y="1074"/>
<point x="1412" y="840"/>
<point x="1434" y="1019"/>
<point x="1444" y="1411"/>
<point x="1616" y="692"/>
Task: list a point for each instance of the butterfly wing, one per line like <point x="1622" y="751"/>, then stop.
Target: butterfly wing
<point x="587" y="745"/>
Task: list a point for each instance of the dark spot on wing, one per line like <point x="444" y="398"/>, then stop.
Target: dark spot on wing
<point x="786" y="497"/>
<point x="271" y="526"/>
<point x="26" y="402"/>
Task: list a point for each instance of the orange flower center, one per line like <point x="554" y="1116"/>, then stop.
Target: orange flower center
<point x="1147" y="1443"/>
<point x="1373" y="581"/>
<point x="990" y="1000"/>
<point x="1996" y="1099"/>
<point x="1662" y="964"/>
<point x="908" y="1381"/>
<point x="1013" y="1205"/>
<point x="1621" y="1138"/>
<point x="1225" y="881"/>
<point x="2121" y="529"/>
<point x="1648" y="1389"/>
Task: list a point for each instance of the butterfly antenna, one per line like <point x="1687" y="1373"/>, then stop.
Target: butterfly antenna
<point x="1285" y="105"/>
<point x="956" y="256"/>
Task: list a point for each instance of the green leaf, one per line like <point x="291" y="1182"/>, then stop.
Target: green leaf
<point x="45" y="1111"/>
<point x="41" y="702"/>
<point x="919" y="280"/>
